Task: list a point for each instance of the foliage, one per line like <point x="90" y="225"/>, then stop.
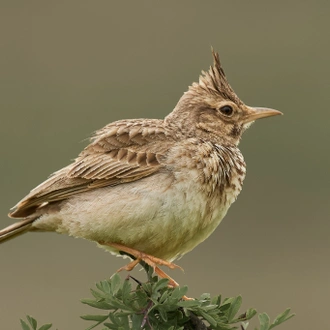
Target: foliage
<point x="155" y="306"/>
<point x="33" y="324"/>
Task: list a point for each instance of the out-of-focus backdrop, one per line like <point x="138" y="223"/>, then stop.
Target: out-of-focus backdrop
<point x="70" y="67"/>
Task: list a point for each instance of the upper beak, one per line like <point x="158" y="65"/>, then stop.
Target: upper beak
<point x="257" y="113"/>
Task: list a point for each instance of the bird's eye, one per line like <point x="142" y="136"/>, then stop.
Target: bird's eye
<point x="227" y="110"/>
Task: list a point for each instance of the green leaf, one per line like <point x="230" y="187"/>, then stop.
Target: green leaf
<point x="205" y="296"/>
<point x="225" y="307"/>
<point x="113" y="318"/>
<point x="264" y="321"/>
<point x="45" y="326"/>
<point x="179" y="292"/>
<point x="147" y="287"/>
<point x="24" y="325"/>
<point x="163" y="297"/>
<point x="224" y="326"/>
<point x="99" y="286"/>
<point x="216" y="300"/>
<point x="136" y="321"/>
<point x="250" y="313"/>
<point x="188" y="303"/>
<point x="124" y="322"/>
<point x="234" y="307"/>
<point x="209" y="318"/>
<point x="111" y="326"/>
<point x="32" y="321"/>
<point x="162" y="314"/>
<point x="126" y="289"/>
<point x="98" y="294"/>
<point x="93" y="326"/>
<point x="282" y="318"/>
<point x="161" y="284"/>
<point x="116" y="303"/>
<point x="141" y="298"/>
<point x="97" y="318"/>
<point x="97" y="304"/>
<point x="246" y="316"/>
<point x="209" y="308"/>
<point x="106" y="287"/>
<point x="115" y="283"/>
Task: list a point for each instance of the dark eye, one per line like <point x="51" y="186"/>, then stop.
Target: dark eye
<point x="227" y="110"/>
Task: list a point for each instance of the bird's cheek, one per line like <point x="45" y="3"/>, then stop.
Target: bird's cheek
<point x="247" y="125"/>
<point x="210" y="126"/>
<point x="235" y="130"/>
<point x="203" y="126"/>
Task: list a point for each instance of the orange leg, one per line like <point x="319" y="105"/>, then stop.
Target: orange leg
<point x="147" y="258"/>
<point x="129" y="266"/>
<point x="171" y="282"/>
<point x="162" y="274"/>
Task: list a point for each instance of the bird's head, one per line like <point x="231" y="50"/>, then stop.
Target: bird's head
<point x="210" y="109"/>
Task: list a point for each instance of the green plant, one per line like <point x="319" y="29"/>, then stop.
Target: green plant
<point x="33" y="324"/>
<point x="154" y="305"/>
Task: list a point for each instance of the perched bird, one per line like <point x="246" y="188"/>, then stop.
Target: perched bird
<point x="153" y="189"/>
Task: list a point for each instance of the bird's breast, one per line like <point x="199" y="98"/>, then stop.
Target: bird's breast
<point x="217" y="170"/>
<point x="208" y="179"/>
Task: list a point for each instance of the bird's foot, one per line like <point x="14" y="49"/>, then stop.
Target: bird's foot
<point x="140" y="256"/>
<point x="152" y="261"/>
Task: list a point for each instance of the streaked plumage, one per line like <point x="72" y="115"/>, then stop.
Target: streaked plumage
<point x="157" y="186"/>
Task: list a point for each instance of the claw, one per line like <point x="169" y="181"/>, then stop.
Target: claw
<point x="152" y="261"/>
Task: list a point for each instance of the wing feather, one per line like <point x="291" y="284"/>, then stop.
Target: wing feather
<point x="121" y="152"/>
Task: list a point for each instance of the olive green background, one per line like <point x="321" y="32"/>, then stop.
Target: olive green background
<point x="68" y="68"/>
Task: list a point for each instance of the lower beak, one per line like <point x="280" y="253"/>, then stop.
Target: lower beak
<point x="257" y="113"/>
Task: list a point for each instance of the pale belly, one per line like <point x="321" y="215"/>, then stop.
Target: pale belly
<point x="152" y="215"/>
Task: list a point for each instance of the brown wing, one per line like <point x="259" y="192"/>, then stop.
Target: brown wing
<point x="123" y="151"/>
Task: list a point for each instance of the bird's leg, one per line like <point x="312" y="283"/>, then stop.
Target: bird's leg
<point x="171" y="283"/>
<point x="130" y="266"/>
<point x="162" y="274"/>
<point x="147" y="258"/>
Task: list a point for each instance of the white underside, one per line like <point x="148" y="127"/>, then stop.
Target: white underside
<point x="153" y="215"/>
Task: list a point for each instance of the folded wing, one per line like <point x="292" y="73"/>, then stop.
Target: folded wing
<point x="121" y="152"/>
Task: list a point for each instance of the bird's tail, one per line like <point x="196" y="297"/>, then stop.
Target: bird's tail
<point x="16" y="229"/>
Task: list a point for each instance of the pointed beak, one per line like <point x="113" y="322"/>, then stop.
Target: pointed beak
<point x="254" y="113"/>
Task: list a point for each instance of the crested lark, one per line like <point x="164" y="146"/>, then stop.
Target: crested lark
<point x="153" y="189"/>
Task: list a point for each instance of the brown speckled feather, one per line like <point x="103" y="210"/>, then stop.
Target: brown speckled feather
<point x="148" y="186"/>
<point x="123" y="151"/>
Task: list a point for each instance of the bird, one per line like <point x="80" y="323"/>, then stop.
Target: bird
<point x="150" y="189"/>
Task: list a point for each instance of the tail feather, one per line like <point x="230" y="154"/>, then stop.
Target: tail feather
<point x="16" y="229"/>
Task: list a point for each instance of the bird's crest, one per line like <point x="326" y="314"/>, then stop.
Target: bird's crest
<point x="214" y="82"/>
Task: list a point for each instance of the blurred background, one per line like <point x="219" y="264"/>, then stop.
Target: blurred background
<point x="70" y="67"/>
